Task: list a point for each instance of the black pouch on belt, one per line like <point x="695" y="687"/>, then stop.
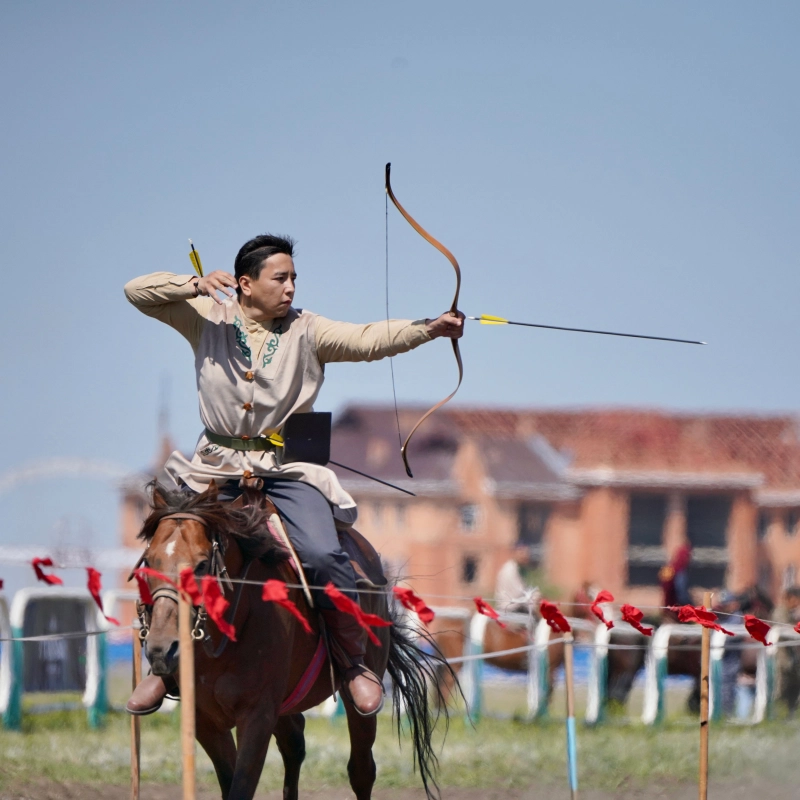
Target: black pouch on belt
<point x="307" y="437"/>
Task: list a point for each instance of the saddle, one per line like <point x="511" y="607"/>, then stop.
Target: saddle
<point x="364" y="559"/>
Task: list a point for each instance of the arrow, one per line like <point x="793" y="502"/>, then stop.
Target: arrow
<point x="488" y="319"/>
<point x="194" y="257"/>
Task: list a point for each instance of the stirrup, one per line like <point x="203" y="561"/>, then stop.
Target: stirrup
<point x="344" y="690"/>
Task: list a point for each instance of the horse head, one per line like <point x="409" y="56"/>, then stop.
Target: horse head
<point x="181" y="531"/>
<point x="210" y="537"/>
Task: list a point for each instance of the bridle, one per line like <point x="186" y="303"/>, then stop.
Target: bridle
<point x="217" y="569"/>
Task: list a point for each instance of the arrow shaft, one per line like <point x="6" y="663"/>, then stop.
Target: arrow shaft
<point x="600" y="333"/>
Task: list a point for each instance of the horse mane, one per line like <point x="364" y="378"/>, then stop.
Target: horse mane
<point x="246" y="524"/>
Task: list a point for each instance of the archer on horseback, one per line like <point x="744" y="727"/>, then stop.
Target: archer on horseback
<point x="258" y="361"/>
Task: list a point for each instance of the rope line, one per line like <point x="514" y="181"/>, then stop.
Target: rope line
<point x="457" y="659"/>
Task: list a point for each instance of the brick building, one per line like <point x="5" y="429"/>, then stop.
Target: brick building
<point x="602" y="496"/>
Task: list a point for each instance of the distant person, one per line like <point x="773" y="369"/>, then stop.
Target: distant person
<point x="674" y="578"/>
<point x="736" y="694"/>
<point x="512" y="594"/>
<point x="788" y="612"/>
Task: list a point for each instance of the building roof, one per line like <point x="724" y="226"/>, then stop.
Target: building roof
<point x="553" y="447"/>
<point x="366" y="438"/>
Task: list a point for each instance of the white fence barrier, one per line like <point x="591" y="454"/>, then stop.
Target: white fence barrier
<point x="53" y="662"/>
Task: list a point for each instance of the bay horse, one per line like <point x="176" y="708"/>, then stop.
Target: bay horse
<point x="244" y="684"/>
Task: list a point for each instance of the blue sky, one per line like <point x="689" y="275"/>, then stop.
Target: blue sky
<point x="624" y="165"/>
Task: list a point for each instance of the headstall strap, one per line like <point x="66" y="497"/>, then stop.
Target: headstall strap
<point x="144" y="623"/>
<point x="218" y="568"/>
<point x="181" y="515"/>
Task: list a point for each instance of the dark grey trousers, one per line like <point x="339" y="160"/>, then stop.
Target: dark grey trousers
<point x="308" y="519"/>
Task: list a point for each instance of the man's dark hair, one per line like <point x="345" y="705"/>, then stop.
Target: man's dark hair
<point x="250" y="258"/>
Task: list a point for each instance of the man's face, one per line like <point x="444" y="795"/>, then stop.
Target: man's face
<point x="273" y="291"/>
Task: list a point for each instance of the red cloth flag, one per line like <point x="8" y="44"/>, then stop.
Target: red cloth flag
<point x="94" y="586"/>
<point x="602" y="597"/>
<point x="354" y="609"/>
<point x="796" y="628"/>
<point x="156" y="574"/>
<point x="38" y="563"/>
<point x="216" y="606"/>
<point x="633" y="616"/>
<point x="414" y="602"/>
<point x="757" y="628"/>
<point x="275" y="591"/>
<point x="487" y="611"/>
<point x="144" y="587"/>
<point x="700" y="615"/>
<point x="553" y="617"/>
<point x="188" y="585"/>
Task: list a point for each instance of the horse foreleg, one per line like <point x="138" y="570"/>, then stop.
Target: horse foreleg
<point x="253" y="733"/>
<point x="221" y="749"/>
<point x="291" y="741"/>
<point x="361" y="766"/>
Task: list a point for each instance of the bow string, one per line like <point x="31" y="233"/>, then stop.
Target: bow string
<point x="453" y="311"/>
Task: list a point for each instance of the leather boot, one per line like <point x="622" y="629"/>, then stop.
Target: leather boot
<point x="148" y="696"/>
<point x="359" y="683"/>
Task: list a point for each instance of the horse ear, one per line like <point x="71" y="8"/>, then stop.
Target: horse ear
<point x="212" y="492"/>
<point x="158" y="499"/>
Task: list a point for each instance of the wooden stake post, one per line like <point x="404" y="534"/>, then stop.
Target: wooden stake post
<point x="705" y="659"/>
<point x="186" y="673"/>
<point x="135" y="721"/>
<point x="572" y="749"/>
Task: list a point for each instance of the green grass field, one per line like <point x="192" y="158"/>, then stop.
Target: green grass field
<point x="495" y="753"/>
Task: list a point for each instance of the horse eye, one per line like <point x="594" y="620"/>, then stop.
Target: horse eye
<point x="201" y="568"/>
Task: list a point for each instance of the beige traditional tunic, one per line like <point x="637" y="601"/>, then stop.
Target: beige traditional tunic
<point x="252" y="376"/>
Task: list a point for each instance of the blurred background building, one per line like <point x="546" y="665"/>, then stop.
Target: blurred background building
<point x="602" y="497"/>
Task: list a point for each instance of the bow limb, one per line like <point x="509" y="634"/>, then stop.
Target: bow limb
<point x="453" y="310"/>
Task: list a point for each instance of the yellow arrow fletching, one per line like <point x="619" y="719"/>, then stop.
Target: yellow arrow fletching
<point x="488" y="319"/>
<point x="194" y="257"/>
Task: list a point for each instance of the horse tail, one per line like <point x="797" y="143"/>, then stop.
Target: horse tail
<point x="413" y="671"/>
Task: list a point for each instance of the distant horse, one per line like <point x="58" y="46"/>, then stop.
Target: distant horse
<point x="245" y="684"/>
<point x="451" y="633"/>
<point x="683" y="658"/>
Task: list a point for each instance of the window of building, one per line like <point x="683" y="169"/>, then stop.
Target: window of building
<point x="400" y="515"/>
<point x="470" y="517"/>
<point x="648" y="512"/>
<point x="791" y="522"/>
<point x="531" y="523"/>
<point x="643" y="574"/>
<point x="706" y="528"/>
<point x="707" y="520"/>
<point x="469" y="569"/>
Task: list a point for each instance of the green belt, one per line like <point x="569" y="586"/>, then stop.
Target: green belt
<point x="259" y="443"/>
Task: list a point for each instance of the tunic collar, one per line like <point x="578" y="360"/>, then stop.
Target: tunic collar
<point x="253" y="327"/>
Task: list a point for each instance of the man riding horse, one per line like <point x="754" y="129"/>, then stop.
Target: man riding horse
<point x="258" y="360"/>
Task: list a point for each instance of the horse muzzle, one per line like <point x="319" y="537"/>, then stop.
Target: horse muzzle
<point x="163" y="657"/>
<point x="161" y="645"/>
